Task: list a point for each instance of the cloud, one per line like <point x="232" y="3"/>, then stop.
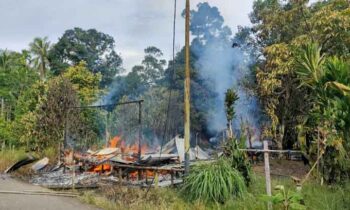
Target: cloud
<point x="134" y="24"/>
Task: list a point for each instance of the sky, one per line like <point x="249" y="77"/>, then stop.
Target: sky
<point x="134" y="24"/>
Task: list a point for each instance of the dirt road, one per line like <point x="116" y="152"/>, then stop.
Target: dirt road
<point x="35" y="202"/>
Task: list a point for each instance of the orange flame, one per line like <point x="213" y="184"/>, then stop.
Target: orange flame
<point x="113" y="142"/>
<point x="129" y="153"/>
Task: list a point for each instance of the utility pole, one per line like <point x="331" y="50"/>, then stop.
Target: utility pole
<point x="187" y="89"/>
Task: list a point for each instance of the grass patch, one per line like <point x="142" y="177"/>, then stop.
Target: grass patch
<point x="121" y="197"/>
<point x="216" y="181"/>
<point x="316" y="197"/>
<point x="9" y="157"/>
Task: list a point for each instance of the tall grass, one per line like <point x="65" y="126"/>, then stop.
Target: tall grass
<point x="9" y="157"/>
<point x="216" y="182"/>
<point x="316" y="197"/>
<point x="327" y="197"/>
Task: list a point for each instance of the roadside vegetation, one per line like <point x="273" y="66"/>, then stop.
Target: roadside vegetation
<point x="315" y="197"/>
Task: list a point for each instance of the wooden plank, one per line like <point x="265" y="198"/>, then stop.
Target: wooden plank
<point x="270" y="151"/>
<point x="146" y="167"/>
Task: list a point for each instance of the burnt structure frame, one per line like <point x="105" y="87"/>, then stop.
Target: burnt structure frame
<point x="139" y="102"/>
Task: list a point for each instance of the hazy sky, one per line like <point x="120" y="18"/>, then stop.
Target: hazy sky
<point x="134" y="24"/>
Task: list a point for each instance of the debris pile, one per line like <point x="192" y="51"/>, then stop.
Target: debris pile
<point x="117" y="163"/>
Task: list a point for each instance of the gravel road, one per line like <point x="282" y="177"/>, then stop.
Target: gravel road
<point x="35" y="202"/>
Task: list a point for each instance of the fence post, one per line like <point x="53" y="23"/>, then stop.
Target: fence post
<point x="2" y="107"/>
<point x="267" y="172"/>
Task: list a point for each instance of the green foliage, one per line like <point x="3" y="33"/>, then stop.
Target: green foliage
<point x="309" y="66"/>
<point x="153" y="66"/>
<point x="15" y="77"/>
<point x="156" y="105"/>
<point x="329" y="83"/>
<point x="230" y="99"/>
<point x="40" y="50"/>
<point x="288" y="199"/>
<point x="280" y="28"/>
<point x="91" y="46"/>
<point x="216" y="181"/>
<point x="238" y="159"/>
<point x="6" y="133"/>
<point x="54" y="113"/>
<point x="84" y="82"/>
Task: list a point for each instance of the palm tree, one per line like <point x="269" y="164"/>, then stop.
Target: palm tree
<point x="5" y="59"/>
<point x="39" y="48"/>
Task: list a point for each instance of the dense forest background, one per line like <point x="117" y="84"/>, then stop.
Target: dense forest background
<point x="290" y="69"/>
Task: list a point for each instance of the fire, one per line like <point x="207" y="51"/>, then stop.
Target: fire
<point x="148" y="173"/>
<point x="113" y="142"/>
<point x="129" y="153"/>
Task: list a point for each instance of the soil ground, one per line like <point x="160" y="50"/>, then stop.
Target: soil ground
<point x="283" y="168"/>
<point x="35" y="202"/>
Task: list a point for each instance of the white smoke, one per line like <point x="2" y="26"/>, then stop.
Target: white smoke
<point x="226" y="67"/>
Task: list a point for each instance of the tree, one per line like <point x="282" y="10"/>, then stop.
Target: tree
<point x="153" y="64"/>
<point x="95" y="48"/>
<point x="148" y="74"/>
<point x="230" y="98"/>
<point x="284" y="103"/>
<point x="328" y="81"/>
<point x="15" y="78"/>
<point x="202" y="93"/>
<point x="40" y="49"/>
<point x="84" y="82"/>
<point x="55" y="112"/>
<point x="207" y="25"/>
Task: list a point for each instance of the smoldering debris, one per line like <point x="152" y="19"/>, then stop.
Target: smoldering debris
<point x="62" y="180"/>
<point x="119" y="163"/>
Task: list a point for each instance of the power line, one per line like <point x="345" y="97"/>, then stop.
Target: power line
<point x="172" y="79"/>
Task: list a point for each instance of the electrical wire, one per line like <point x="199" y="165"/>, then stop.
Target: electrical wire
<point x="172" y="79"/>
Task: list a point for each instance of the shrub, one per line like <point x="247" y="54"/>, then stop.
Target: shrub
<point x="286" y="199"/>
<point x="216" y="181"/>
<point x="237" y="158"/>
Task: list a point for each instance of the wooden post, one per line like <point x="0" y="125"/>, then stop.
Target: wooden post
<point x="73" y="174"/>
<point x="120" y="175"/>
<point x="2" y="108"/>
<point x="267" y="172"/>
<point x="187" y="89"/>
<point x="156" y="179"/>
<point x="106" y="129"/>
<point x="172" y="178"/>
<point x="139" y="175"/>
<point x="140" y="130"/>
<point x="318" y="151"/>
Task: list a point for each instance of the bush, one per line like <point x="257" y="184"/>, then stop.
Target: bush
<point x="216" y="182"/>
<point x="237" y="158"/>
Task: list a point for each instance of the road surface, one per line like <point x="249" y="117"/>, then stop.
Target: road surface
<point x="35" y="202"/>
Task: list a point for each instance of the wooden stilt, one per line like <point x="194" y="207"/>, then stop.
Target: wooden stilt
<point x="120" y="175"/>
